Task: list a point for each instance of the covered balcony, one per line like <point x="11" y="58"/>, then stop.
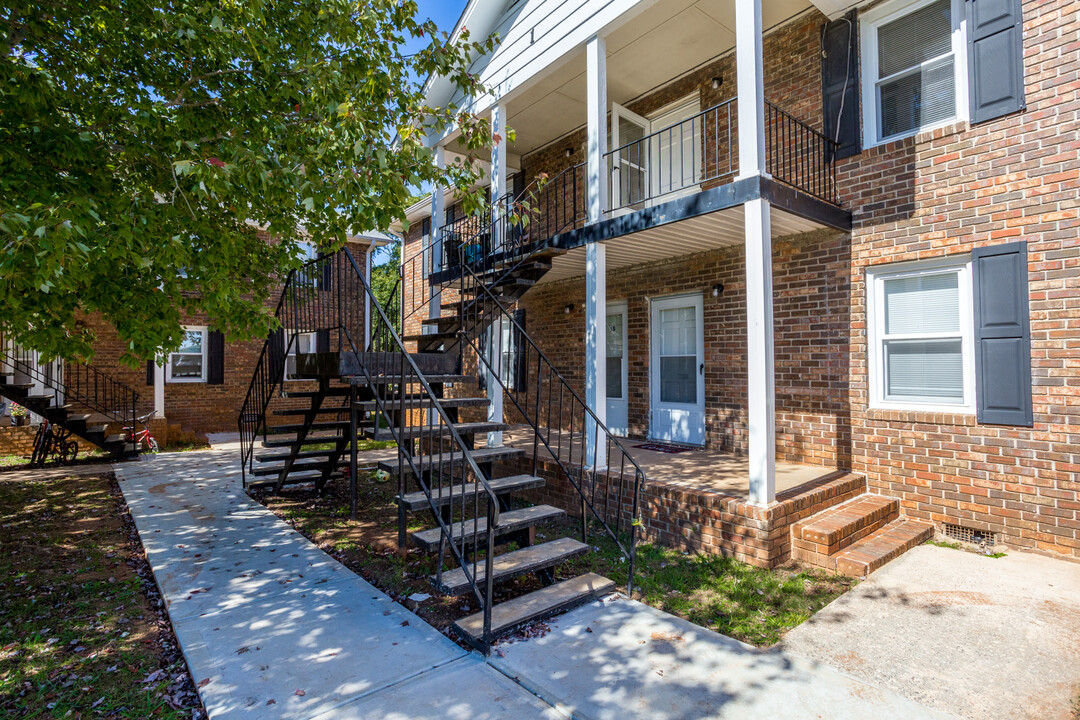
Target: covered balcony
<point x="645" y="136"/>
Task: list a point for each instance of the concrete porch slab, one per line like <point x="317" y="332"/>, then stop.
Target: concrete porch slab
<point x="619" y="659"/>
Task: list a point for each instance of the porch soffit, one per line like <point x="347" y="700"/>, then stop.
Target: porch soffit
<point x="702" y="233"/>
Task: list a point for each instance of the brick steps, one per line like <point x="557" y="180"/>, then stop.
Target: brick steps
<point x="878" y="548"/>
<point x="858" y="536"/>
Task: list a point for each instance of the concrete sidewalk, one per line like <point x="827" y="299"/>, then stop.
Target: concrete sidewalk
<point x="272" y="627"/>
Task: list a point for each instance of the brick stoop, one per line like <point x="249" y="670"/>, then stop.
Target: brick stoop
<point x="857" y="537"/>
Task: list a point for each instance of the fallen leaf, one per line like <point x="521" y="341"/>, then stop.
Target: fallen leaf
<point x="300" y="692"/>
<point x="203" y="683"/>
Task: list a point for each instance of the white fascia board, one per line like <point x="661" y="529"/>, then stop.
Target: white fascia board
<point x="833" y="9"/>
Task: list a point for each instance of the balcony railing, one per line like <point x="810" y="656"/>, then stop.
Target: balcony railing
<point x="695" y="154"/>
<point x="702" y="151"/>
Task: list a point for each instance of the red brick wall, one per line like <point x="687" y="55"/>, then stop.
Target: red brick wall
<point x="197" y="407"/>
<point x="811" y="285"/>
<point x="943" y="193"/>
<point x="939" y="193"/>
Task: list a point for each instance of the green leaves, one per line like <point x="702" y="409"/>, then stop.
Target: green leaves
<point x="142" y="139"/>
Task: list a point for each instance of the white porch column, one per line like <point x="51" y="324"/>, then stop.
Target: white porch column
<point x="596" y="189"/>
<point x="596" y="180"/>
<point x="759" y="355"/>
<point x="438" y="219"/>
<point x="499" y="147"/>
<point x="750" y="86"/>
<point x="159" y="392"/>
<point x="595" y="351"/>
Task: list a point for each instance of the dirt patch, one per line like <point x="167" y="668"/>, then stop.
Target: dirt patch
<point x="83" y="631"/>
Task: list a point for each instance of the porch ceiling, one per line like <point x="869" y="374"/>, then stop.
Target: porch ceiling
<point x="686" y="237"/>
<point x="663" y="42"/>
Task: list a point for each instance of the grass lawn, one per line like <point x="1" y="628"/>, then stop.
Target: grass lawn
<point x="82" y="631"/>
<point x="723" y="594"/>
<point x="86" y="455"/>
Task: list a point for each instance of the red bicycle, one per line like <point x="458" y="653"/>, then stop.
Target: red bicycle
<point x="143" y="437"/>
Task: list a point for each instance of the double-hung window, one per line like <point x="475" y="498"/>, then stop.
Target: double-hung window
<point x="188" y="363"/>
<point x="914" y="68"/>
<point x="921" y="352"/>
<point x="302" y="343"/>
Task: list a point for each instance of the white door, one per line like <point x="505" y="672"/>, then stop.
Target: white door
<point x="630" y="162"/>
<point x="676" y="152"/>
<point x="677" y="370"/>
<point x="617" y="414"/>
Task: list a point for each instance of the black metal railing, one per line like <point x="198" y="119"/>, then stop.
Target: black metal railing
<point x="702" y="150"/>
<point x="676" y="158"/>
<point x="72" y="383"/>
<point x="597" y="465"/>
<point x="799" y="155"/>
<point x="331" y="294"/>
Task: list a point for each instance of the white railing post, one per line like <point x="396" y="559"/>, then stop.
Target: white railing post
<point x="499" y="148"/>
<point x="761" y="383"/>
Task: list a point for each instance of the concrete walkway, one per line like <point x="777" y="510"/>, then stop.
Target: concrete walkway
<point x="272" y="627"/>
<point x="984" y="638"/>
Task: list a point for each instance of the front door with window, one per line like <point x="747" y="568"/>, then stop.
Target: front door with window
<point x="677" y="386"/>
<point x="617" y="415"/>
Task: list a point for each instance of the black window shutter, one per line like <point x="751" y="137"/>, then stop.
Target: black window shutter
<point x="840" y="83"/>
<point x="277" y="353"/>
<point x="519" y="348"/>
<point x="215" y="349"/>
<point x="1002" y="335"/>
<point x="995" y="37"/>
<point x="322" y="341"/>
<point x="149" y="372"/>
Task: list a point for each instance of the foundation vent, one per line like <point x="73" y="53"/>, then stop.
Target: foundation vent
<point x="982" y="538"/>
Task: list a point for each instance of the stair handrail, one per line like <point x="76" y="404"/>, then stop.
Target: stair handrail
<point x="406" y="363"/>
<point x="124" y="397"/>
<point x="640" y="477"/>
<point x="259" y="394"/>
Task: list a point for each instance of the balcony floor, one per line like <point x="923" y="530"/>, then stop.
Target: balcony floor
<point x="695" y="469"/>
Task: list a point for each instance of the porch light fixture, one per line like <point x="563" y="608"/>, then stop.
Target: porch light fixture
<point x="717" y="289"/>
<point x="569" y="308"/>
<point x="568" y="151"/>
<point x="717" y="82"/>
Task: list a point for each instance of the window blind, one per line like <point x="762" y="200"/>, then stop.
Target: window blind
<point x="924" y="370"/>
<point x="922" y="304"/>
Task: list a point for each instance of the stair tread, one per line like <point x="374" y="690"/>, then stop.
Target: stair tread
<point x="317" y="425"/>
<point x="835" y="524"/>
<point x="463" y="428"/>
<point x="416" y="501"/>
<point x="297" y="467"/>
<point x="479" y="455"/>
<point x="466" y="530"/>
<point x="293" y="479"/>
<point x="884" y="544"/>
<point x="308" y="411"/>
<point x="411" y="379"/>
<point x="513" y="614"/>
<point x="418" y="402"/>
<point x="17" y="386"/>
<point x="277" y="457"/>
<point x="431" y="336"/>
<point x="512" y="564"/>
<point x="309" y="440"/>
<point x="336" y="391"/>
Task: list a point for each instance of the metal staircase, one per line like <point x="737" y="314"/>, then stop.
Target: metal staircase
<point x="79" y="398"/>
<point x="420" y="391"/>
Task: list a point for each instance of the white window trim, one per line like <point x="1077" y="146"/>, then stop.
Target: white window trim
<point x="869" y="22"/>
<point x="205" y="357"/>
<point x="290" y="351"/>
<point x="875" y="313"/>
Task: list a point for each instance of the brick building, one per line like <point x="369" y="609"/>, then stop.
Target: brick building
<point x="202" y="387"/>
<point x="832" y="234"/>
